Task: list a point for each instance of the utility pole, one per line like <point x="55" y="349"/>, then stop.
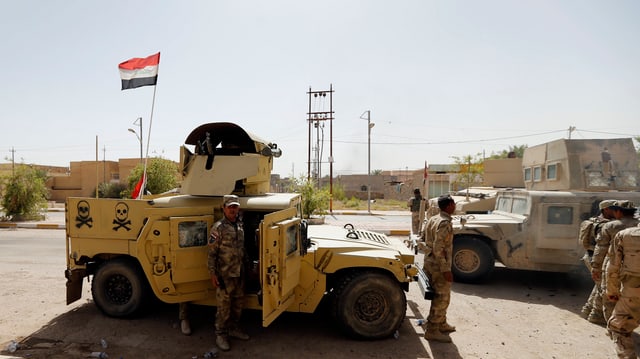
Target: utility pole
<point x="369" y="127"/>
<point x="104" y="164"/>
<point x="13" y="162"/>
<point x="317" y="113"/>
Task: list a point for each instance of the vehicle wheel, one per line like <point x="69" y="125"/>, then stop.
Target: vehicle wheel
<point x="369" y="305"/>
<point x="119" y="288"/>
<point x="472" y="259"/>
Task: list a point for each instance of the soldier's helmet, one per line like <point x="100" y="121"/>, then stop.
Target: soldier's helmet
<point x="416" y="191"/>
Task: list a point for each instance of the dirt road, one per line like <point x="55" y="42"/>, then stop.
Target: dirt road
<point x="515" y="314"/>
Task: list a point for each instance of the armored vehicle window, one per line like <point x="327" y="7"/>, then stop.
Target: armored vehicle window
<point x="292" y="239"/>
<point x="559" y="215"/>
<point x="504" y="204"/>
<point x="192" y="233"/>
<point x="520" y="206"/>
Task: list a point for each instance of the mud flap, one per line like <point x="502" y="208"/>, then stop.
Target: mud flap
<point x="74" y="284"/>
<point x="425" y="286"/>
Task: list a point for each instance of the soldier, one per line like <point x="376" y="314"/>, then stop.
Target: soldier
<point x="438" y="235"/>
<point x="624" y="269"/>
<point x="414" y="205"/>
<point x="589" y="230"/>
<point x="226" y="265"/>
<point x="624" y="212"/>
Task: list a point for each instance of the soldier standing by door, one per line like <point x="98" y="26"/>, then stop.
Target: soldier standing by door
<point x="226" y="265"/>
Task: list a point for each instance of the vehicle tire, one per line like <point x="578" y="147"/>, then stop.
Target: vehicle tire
<point x="472" y="259"/>
<point x="119" y="288"/>
<point x="368" y="305"/>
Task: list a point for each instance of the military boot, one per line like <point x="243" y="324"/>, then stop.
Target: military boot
<point x="596" y="317"/>
<point x="586" y="310"/>
<point x="223" y="343"/>
<point x="446" y="328"/>
<point x="437" y="336"/>
<point x="185" y="328"/>
<point x="238" y="334"/>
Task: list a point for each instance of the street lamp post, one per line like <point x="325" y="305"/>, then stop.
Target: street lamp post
<point x="138" y="121"/>
<point x="369" y="127"/>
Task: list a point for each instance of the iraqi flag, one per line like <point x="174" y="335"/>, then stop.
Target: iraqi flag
<point x="138" y="72"/>
<point x="139" y="188"/>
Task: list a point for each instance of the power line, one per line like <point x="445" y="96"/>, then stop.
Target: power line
<point x="452" y="142"/>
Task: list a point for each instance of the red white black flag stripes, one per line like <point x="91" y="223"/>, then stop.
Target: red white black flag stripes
<point x="138" y="72"/>
<point x="139" y="189"/>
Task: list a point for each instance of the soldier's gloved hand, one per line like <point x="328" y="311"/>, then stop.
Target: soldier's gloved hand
<point x="214" y="281"/>
<point x="613" y="297"/>
<point x="596" y="274"/>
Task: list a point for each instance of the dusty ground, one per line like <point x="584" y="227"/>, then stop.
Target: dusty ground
<point x="514" y="315"/>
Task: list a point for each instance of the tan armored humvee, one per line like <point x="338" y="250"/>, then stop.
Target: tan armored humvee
<point x="537" y="228"/>
<point x="133" y="249"/>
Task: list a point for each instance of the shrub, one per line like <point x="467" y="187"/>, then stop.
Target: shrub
<point x="25" y="194"/>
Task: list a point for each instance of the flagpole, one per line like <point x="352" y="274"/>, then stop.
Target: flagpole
<point x="146" y="157"/>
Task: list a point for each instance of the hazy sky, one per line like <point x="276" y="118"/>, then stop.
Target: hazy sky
<point x="441" y="78"/>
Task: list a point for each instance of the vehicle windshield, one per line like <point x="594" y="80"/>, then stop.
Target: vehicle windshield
<point x="512" y="205"/>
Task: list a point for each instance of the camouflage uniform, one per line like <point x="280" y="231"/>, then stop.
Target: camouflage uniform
<point x="589" y="231"/>
<point x="600" y="259"/>
<point x="414" y="206"/>
<point x="438" y="234"/>
<point x="226" y="262"/>
<point x="624" y="269"/>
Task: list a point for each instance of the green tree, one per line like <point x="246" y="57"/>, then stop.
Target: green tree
<point x="470" y="169"/>
<point x="25" y="194"/>
<point x="518" y="151"/>
<point x="314" y="200"/>
<point x="161" y="176"/>
<point x="376" y="172"/>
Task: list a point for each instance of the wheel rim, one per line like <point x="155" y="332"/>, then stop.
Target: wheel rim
<point x="466" y="261"/>
<point x="118" y="289"/>
<point x="370" y="306"/>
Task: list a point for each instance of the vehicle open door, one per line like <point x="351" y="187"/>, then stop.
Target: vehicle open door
<point x="279" y="262"/>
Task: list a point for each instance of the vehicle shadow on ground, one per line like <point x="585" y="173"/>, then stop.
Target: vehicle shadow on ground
<point x="568" y="291"/>
<point x="78" y="332"/>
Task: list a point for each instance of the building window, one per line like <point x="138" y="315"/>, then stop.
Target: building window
<point x="527" y="174"/>
<point x="537" y="174"/>
<point x="552" y="171"/>
<point x="115" y="176"/>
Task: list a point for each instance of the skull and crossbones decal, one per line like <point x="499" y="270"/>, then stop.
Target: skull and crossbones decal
<point x="122" y="217"/>
<point x="84" y="214"/>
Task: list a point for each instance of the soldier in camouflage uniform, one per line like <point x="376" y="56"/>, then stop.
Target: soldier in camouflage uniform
<point x="623" y="289"/>
<point x="414" y="206"/>
<point x="438" y="243"/>
<point x="589" y="231"/>
<point x="624" y="213"/>
<point x="226" y="265"/>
